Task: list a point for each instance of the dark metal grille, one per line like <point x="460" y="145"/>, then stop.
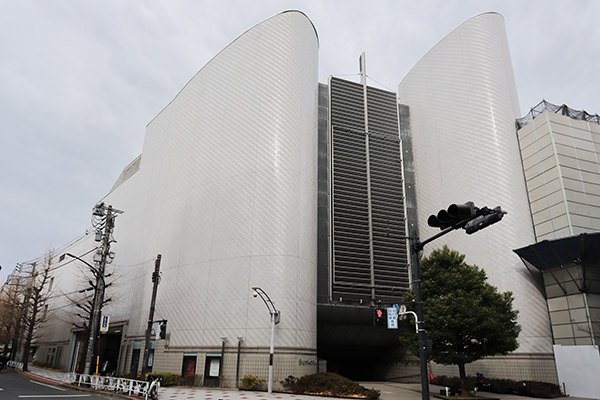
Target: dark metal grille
<point x="353" y="253"/>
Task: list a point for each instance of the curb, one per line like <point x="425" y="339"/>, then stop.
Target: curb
<point x="78" y="388"/>
<point x="41" y="378"/>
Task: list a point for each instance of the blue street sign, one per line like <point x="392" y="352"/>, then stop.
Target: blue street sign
<point x="392" y="317"/>
<point x="104" y="323"/>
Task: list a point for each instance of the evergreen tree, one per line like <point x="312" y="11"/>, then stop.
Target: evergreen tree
<point x="465" y="317"/>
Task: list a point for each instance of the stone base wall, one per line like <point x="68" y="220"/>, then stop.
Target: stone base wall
<point x="253" y="361"/>
<point x="518" y="367"/>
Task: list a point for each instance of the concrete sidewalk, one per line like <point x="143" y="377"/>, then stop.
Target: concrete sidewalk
<point x="389" y="391"/>
<point x="46" y="375"/>
<point x="178" y="392"/>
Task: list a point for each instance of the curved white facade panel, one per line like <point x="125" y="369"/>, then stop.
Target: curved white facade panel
<point x="463" y="104"/>
<point x="226" y="192"/>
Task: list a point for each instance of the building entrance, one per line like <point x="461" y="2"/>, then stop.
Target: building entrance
<point x="107" y="352"/>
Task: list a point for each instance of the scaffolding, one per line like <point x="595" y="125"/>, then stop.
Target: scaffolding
<point x="563" y="109"/>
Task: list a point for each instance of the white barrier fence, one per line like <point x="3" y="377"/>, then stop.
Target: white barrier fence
<point x="15" y="365"/>
<point x="109" y="383"/>
<point x="114" y="384"/>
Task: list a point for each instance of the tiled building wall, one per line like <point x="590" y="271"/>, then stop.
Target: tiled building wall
<point x="568" y="316"/>
<point x="463" y="104"/>
<point x="561" y="161"/>
<point x="574" y="315"/>
<point x="594" y="310"/>
<point x="253" y="361"/>
<point x="56" y="354"/>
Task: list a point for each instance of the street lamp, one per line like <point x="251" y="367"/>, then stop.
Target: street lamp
<point x="275" y="319"/>
<point x="94" y="269"/>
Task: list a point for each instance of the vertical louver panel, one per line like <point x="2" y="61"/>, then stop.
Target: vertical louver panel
<point x="352" y="260"/>
<point x="387" y="197"/>
<point x="389" y="245"/>
<point x="363" y="268"/>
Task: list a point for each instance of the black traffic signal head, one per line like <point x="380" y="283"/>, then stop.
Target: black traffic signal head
<point x="163" y="330"/>
<point x="433" y="221"/>
<point x="462" y="211"/>
<point x="380" y="317"/>
<point x="484" y="221"/>
<point x="456" y="213"/>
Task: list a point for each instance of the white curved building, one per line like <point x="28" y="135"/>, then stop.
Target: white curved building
<point x="256" y="175"/>
<point x="463" y="105"/>
<point x="225" y="190"/>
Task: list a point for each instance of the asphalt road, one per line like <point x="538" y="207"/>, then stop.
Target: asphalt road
<point x="14" y="386"/>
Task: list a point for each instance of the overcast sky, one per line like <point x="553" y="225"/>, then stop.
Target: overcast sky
<point x="79" y="81"/>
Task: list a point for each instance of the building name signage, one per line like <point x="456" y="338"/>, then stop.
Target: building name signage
<point x="307" y="362"/>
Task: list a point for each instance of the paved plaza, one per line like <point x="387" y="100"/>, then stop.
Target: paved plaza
<point x="389" y="390"/>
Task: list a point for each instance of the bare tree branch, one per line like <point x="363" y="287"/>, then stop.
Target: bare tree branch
<point x="37" y="293"/>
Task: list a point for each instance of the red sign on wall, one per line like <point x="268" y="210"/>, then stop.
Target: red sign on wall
<point x="191" y="367"/>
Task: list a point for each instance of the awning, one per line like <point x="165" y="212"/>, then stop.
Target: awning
<point x="572" y="250"/>
<point x="581" y="250"/>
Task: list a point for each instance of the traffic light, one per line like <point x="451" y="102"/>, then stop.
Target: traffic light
<point x="163" y="329"/>
<point x="429" y="346"/>
<point x="483" y="221"/>
<point x="456" y="213"/>
<point x="380" y="317"/>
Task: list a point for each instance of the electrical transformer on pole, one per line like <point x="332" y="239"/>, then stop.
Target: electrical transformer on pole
<point x="103" y="217"/>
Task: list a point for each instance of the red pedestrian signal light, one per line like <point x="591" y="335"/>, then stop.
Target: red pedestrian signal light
<point x="380" y="317"/>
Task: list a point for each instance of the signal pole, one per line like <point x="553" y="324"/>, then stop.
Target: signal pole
<point x="467" y="217"/>
<point x="156" y="281"/>
<point x="416" y="247"/>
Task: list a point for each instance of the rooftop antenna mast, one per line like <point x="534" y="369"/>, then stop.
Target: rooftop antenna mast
<point x="363" y="68"/>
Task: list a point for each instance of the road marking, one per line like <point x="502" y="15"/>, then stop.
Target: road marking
<point x="50" y="386"/>
<point x="55" y="396"/>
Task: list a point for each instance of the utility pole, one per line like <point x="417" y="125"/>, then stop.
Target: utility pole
<point x="156" y="281"/>
<point x="102" y="217"/>
<point x="22" y="283"/>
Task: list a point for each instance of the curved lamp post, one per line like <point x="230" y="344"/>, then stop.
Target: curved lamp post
<point x="275" y="319"/>
<point x="94" y="269"/>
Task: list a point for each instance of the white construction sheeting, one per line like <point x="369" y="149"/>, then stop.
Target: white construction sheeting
<point x="578" y="368"/>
